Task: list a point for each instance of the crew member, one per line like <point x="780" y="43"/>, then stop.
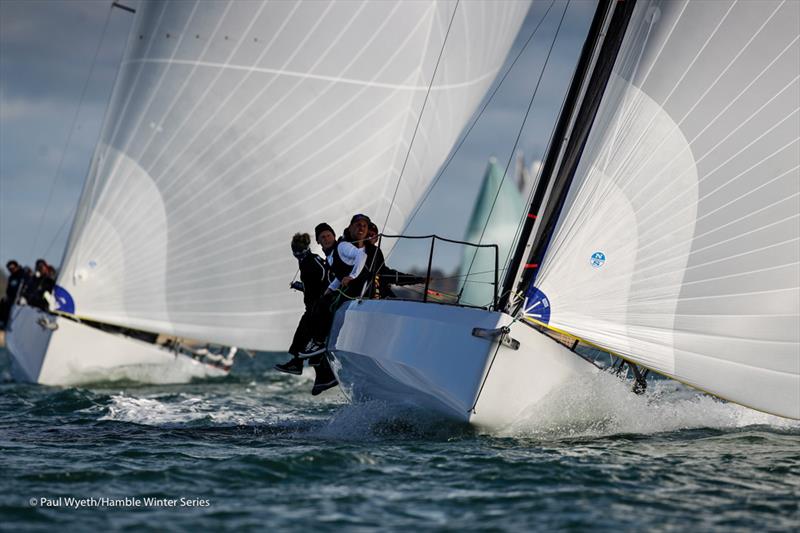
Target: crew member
<point x="313" y="282"/>
<point x="377" y="276"/>
<point x="346" y="262"/>
<point x="43" y="281"/>
<point x="16" y="281"/>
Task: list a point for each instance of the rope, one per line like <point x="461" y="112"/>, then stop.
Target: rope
<point x="342" y="294"/>
<point x="71" y="132"/>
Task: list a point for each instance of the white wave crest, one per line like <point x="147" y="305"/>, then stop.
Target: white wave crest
<point x="601" y="405"/>
<point x="182" y="409"/>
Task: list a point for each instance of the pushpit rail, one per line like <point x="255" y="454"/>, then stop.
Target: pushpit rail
<point x="433" y="239"/>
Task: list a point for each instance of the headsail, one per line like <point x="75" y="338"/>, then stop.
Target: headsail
<point x="235" y="124"/>
<point x="494" y="220"/>
<point x="678" y="245"/>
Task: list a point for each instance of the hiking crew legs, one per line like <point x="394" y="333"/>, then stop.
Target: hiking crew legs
<point x="322" y="317"/>
<point x="302" y="334"/>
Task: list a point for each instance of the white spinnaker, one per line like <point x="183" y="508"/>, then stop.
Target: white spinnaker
<point x="689" y="186"/>
<point x="234" y="125"/>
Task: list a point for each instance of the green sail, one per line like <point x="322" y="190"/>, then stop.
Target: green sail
<point x="500" y="220"/>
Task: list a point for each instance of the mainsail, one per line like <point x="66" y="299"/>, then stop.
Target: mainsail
<point x="678" y="243"/>
<point x="235" y="124"/>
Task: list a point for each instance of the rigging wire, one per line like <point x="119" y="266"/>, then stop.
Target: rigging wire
<point x="474" y="121"/>
<point x="421" y="112"/>
<point x="521" y="224"/>
<point x="71" y="132"/>
<point x="521" y="128"/>
<point x="414" y="136"/>
<point x="479" y="114"/>
<point x="69" y="217"/>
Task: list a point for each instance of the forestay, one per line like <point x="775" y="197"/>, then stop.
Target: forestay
<point x="235" y="124"/>
<point x="678" y="243"/>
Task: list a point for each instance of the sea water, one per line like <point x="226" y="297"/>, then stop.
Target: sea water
<point x="256" y="451"/>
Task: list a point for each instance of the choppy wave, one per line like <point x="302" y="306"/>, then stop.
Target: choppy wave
<point x="601" y="404"/>
<point x="376" y="420"/>
<point x="598" y="405"/>
<point x="256" y="444"/>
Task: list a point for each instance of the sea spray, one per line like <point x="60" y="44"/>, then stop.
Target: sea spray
<point x="601" y="404"/>
<point x="172" y="410"/>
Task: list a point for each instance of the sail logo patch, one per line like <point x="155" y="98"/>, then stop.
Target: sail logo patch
<point x="597" y="260"/>
<point x="537" y="305"/>
<point x="64" y="301"/>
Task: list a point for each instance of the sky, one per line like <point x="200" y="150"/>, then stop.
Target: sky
<point x="46" y="135"/>
<point x="52" y="103"/>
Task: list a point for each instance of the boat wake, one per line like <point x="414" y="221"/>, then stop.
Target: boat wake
<point x="593" y="406"/>
<point x="180" y="410"/>
<point x="601" y="405"/>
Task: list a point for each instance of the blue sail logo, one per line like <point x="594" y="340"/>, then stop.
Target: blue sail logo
<point x="597" y="260"/>
<point x="537" y="305"/>
<point x="64" y="301"/>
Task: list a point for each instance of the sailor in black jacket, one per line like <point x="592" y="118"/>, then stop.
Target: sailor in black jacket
<point x="42" y="282"/>
<point x="16" y="283"/>
<point x="315" y="276"/>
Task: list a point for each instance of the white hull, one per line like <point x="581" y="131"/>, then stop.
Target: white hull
<point x="426" y="355"/>
<point x="74" y="354"/>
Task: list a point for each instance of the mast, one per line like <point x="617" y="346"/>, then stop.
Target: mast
<point x="673" y="242"/>
<point x="583" y="98"/>
<point x="88" y="180"/>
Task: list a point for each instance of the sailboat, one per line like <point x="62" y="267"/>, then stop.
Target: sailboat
<point x="231" y="126"/>
<point x="664" y="230"/>
<point x="494" y="219"/>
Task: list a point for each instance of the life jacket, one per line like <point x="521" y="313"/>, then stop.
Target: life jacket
<point x="339" y="268"/>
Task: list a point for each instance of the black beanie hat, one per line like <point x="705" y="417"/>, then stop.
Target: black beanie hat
<point x="359" y="216"/>
<point x="323" y="226"/>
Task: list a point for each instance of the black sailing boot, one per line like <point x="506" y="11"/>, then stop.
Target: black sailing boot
<point x="292" y="366"/>
<point x="325" y="378"/>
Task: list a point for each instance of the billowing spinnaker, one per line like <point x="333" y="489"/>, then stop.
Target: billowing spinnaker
<point x="234" y="125"/>
<point x="679" y="242"/>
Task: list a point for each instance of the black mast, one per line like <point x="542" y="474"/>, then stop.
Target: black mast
<point x="561" y="180"/>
